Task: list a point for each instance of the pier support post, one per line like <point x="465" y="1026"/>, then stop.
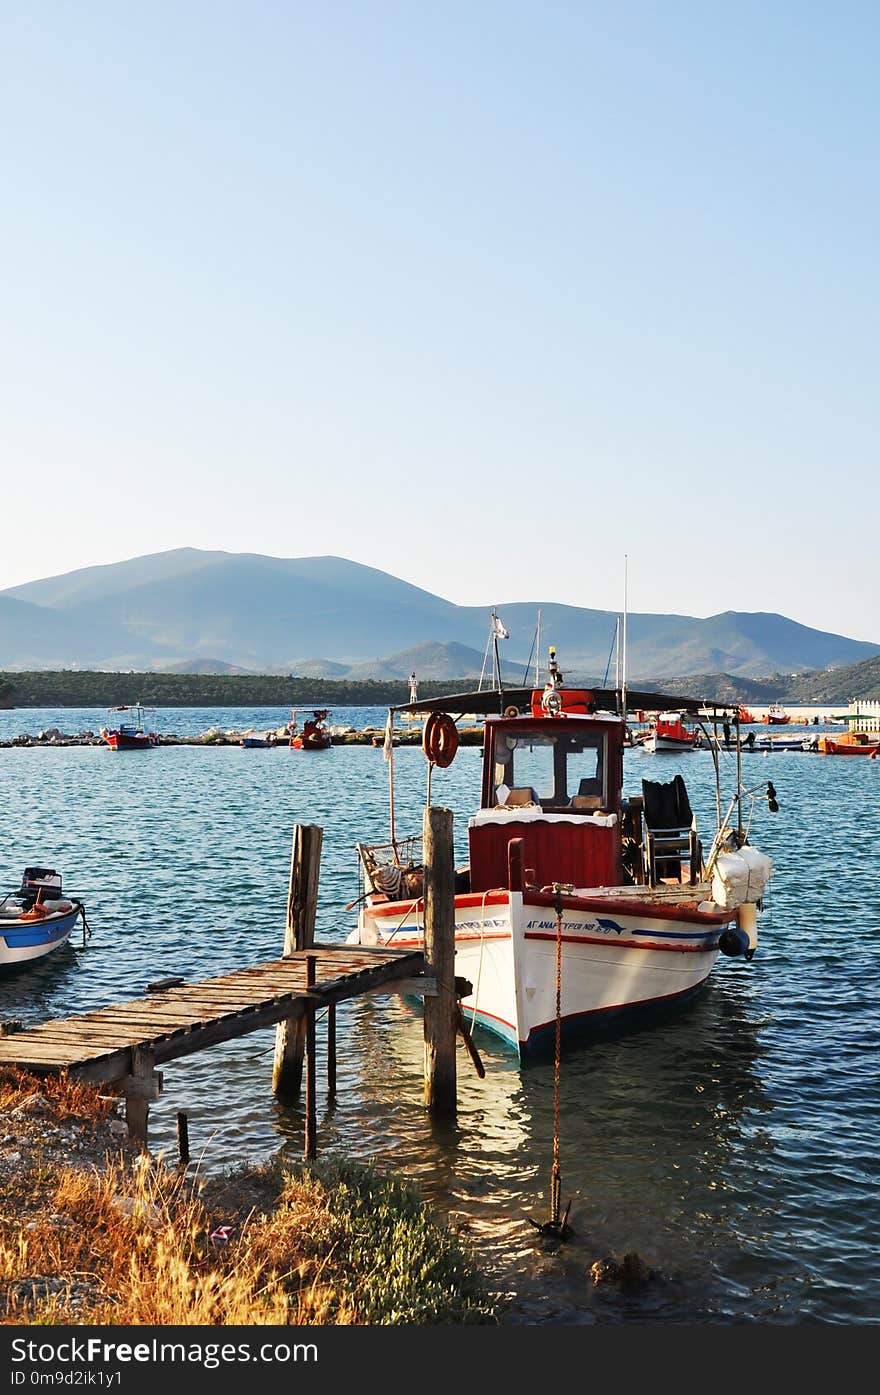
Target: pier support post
<point x="144" y="1084"/>
<point x="331" y="1050"/>
<point x="182" y="1138"/>
<point x="302" y="902"/>
<point x="441" y="1010"/>
<point x="311" y="1141"/>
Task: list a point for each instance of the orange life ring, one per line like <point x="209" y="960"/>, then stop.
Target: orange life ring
<point x="36" y="912"/>
<point x="440" y="740"/>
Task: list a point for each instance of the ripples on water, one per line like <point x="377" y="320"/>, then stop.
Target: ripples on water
<point x="734" y="1147"/>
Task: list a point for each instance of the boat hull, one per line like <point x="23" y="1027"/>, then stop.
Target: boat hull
<point x="23" y="941"/>
<point x="667" y="745"/>
<point x="827" y="747"/>
<point x="130" y="741"/>
<point x="624" y="958"/>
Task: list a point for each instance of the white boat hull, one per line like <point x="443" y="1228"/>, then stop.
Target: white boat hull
<point x="22" y="942"/>
<point x="666" y="745"/>
<point x="620" y="960"/>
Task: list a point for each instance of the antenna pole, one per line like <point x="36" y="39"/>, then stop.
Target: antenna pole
<point x="495" y="648"/>
<point x="538" y="653"/>
<point x="625" y="577"/>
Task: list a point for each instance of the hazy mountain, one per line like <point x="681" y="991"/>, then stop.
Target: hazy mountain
<point x="252" y="613"/>
<point x="426" y="661"/>
<point x="200" y="666"/>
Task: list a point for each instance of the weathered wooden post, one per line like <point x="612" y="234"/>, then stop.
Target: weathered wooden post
<point x="311" y="1141"/>
<point x="143" y="1085"/>
<point x="182" y="1138"/>
<point x="302" y="902"/>
<point x="331" y="1049"/>
<point x="441" y="1010"/>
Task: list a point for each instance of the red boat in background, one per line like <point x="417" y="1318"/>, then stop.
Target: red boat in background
<point x="850" y="743"/>
<point x="776" y="716"/>
<point x="130" y="735"/>
<point x="314" y="735"/>
<point x="668" y="733"/>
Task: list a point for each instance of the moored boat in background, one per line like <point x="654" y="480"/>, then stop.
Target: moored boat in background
<point x="131" y="734"/>
<point x="667" y="734"/>
<point x="776" y="716"/>
<point x="850" y="743"/>
<point x="314" y="735"/>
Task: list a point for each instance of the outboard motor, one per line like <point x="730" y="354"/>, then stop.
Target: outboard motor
<point x="37" y="880"/>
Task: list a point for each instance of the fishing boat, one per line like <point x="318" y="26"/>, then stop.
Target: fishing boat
<point x="850" y="743"/>
<point x="36" y="919"/>
<point x="564" y="870"/>
<point x="126" y="729"/>
<point x="667" y="734"/>
<point x="258" y="741"/>
<point x="314" y="735"/>
<point x="776" y="716"/>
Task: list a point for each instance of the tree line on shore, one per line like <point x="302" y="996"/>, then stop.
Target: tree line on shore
<point x="88" y="688"/>
<point x="85" y="688"/>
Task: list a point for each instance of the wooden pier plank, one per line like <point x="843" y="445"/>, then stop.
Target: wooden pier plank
<point x="99" y="1044"/>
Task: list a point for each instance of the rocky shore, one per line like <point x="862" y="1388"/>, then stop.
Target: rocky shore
<point x="215" y="736"/>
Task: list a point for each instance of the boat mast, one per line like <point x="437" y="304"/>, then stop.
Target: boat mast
<point x="623" y="689"/>
<point x="495" y="624"/>
<point x="538" y="652"/>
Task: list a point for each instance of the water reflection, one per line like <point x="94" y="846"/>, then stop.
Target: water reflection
<point x="653" y="1129"/>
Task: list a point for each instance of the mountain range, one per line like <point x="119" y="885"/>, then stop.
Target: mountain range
<point x="196" y="611"/>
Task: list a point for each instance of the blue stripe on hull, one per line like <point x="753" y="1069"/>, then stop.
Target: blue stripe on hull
<point x="33" y="934"/>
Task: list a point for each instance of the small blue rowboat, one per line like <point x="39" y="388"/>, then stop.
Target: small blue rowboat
<point x="36" y="919"/>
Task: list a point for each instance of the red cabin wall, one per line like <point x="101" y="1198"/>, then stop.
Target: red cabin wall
<point x="580" y="852"/>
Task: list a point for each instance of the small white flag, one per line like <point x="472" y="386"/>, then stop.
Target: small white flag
<point x="499" y="631"/>
<point x="388" y="743"/>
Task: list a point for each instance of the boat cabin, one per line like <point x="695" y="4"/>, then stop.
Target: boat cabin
<point x="555" y="782"/>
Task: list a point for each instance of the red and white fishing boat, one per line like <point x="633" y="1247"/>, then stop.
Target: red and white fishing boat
<point x="126" y="729"/>
<point x="314" y="735"/>
<point x="776" y="716"/>
<point x="563" y="869"/>
<point x="667" y="734"/>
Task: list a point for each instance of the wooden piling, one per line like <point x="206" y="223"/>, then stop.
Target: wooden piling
<point x="144" y="1084"/>
<point x="302" y="903"/>
<point x="182" y="1138"/>
<point x="311" y="1140"/>
<point x="331" y="1049"/>
<point x="441" y="1010"/>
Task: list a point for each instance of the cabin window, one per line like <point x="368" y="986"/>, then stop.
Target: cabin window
<point x="557" y="768"/>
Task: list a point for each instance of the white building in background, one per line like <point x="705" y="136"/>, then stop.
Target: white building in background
<point x="864" y="716"/>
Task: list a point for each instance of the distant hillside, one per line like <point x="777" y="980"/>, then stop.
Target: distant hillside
<point x="252" y="613"/>
<point x="837" y="685"/>
<point x="199" y="666"/>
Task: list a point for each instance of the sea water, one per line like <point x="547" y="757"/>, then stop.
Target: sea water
<point x="734" y="1147"/>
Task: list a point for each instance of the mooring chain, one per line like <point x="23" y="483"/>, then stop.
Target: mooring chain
<point x="556" y="1226"/>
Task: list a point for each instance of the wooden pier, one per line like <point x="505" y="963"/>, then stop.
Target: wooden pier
<point x="120" y="1047"/>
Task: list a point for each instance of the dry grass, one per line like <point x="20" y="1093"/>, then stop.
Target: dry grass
<point x="128" y="1241"/>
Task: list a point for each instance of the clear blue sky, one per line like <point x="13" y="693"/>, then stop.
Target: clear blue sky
<point x="483" y="294"/>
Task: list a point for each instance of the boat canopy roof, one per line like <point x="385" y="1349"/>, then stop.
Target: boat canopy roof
<point x="489" y="702"/>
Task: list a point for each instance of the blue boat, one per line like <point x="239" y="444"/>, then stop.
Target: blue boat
<point x="36" y="919"/>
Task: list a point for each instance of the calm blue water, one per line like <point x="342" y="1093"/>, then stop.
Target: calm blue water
<point x="735" y="1148"/>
